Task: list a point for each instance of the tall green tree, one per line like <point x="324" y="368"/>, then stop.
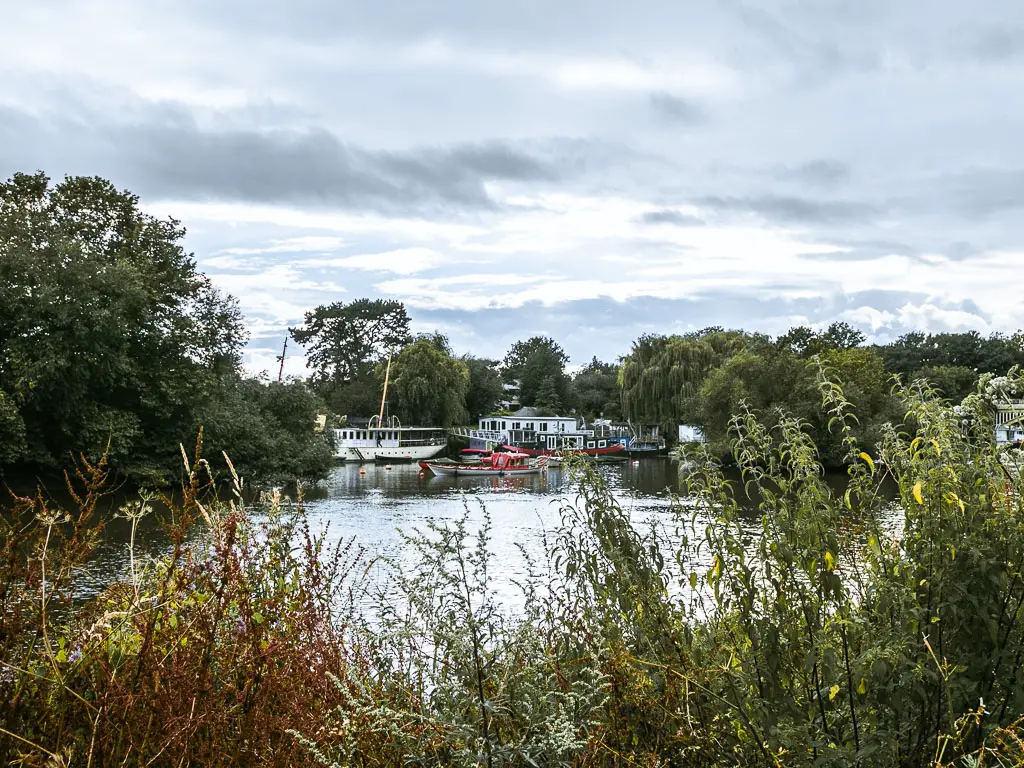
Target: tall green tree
<point x="108" y="333"/>
<point x="344" y="342"/>
<point x="531" y="362"/>
<point x="485" y="387"/>
<point x="806" y="342"/>
<point x="341" y="339"/>
<point x="595" y="390"/>
<point x="661" y="377"/>
<point x="428" y="385"/>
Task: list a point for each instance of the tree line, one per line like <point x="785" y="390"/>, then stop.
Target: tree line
<point x="112" y="341"/>
<point x="701" y="378"/>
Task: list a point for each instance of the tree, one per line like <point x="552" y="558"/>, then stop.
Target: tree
<point x="485" y="389"/>
<point x="805" y="342"/>
<point x="662" y="376"/>
<point x="108" y="333"/>
<point x="531" y="362"/>
<point x="547" y="402"/>
<point x="267" y="429"/>
<point x="595" y="390"/>
<point x="428" y="386"/>
<point x="343" y="340"/>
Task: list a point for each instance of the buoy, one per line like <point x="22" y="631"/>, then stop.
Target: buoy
<point x="636" y="463"/>
<point x="387" y="466"/>
<point x="362" y="470"/>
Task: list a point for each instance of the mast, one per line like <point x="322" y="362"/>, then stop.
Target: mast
<point x="383" y="397"/>
<point x="284" y="350"/>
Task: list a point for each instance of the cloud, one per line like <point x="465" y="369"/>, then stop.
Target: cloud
<point x="793" y="210"/>
<point x="675" y="110"/>
<point x="167" y="157"/>
<point x="820" y="173"/>
<point x="402" y="261"/>
<point x="669" y="216"/>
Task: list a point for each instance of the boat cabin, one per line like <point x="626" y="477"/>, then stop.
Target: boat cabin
<point x="1010" y="422"/>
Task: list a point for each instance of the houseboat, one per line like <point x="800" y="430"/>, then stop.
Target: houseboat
<point x="388" y="441"/>
<point x="1010" y="422"/>
<point x="527" y="432"/>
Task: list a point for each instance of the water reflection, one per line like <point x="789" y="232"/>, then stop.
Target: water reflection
<point x="374" y="504"/>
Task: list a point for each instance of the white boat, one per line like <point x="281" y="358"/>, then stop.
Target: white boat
<point x="501" y="463"/>
<point x="388" y="442"/>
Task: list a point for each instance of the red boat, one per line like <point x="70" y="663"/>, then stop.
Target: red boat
<point x="594" y="450"/>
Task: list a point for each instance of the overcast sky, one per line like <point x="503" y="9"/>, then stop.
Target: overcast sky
<point x="587" y="169"/>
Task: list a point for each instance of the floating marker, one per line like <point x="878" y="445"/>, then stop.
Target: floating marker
<point x="362" y="470"/>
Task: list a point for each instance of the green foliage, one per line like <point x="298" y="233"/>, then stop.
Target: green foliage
<point x="772" y="621"/>
<point x="805" y="342"/>
<point x="661" y="377"/>
<point x="914" y="354"/>
<point x="108" y="333"/>
<point x="344" y="342"/>
<point x="533" y="361"/>
<point x="595" y="391"/>
<point x="268" y="428"/>
<point x="428" y="385"/>
<point x="12" y="431"/>
<point x="341" y="339"/>
<point x="485" y="388"/>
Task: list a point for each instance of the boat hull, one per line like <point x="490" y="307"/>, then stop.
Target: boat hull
<point x="478" y="470"/>
<point x="391" y="454"/>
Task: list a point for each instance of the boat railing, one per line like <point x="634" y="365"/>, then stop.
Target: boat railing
<point x="478" y="434"/>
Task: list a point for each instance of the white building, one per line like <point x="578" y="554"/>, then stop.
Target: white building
<point x="517" y="422"/>
<point x="1010" y="422"/>
<point x="691" y="434"/>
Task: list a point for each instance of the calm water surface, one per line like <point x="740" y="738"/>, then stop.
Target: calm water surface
<point x="374" y="506"/>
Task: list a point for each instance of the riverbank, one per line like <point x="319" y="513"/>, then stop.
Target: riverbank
<point x="815" y="636"/>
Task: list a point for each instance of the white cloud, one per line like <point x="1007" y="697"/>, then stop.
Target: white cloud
<point x="402" y="261"/>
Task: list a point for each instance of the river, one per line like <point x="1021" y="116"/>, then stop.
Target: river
<point x="374" y="503"/>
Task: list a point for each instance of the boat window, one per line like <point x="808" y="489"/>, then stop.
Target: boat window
<point x="603" y="444"/>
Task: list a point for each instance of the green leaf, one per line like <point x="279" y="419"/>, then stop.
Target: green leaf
<point x="257" y="617"/>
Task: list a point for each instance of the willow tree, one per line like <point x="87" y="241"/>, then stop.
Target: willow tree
<point x="427" y="384"/>
<point x="662" y="375"/>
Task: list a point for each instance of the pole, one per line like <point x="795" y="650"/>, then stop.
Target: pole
<point x="284" y="350"/>
<point x="387" y="375"/>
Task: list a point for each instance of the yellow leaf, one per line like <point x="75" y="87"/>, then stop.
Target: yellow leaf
<point x="938" y="450"/>
<point x="833" y="692"/>
<point x="830" y="561"/>
<point x="862" y="688"/>
<point x="917" y="493"/>
<point x="874" y="546"/>
<point x="867" y="458"/>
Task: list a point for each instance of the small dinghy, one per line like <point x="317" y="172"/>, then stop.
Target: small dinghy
<point x="500" y="463"/>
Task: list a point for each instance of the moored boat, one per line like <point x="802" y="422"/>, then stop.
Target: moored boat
<point x="500" y="463"/>
<point x="388" y="442"/>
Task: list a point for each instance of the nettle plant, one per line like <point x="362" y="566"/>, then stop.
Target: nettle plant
<point x="852" y="630"/>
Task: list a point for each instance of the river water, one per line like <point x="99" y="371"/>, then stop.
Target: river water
<point x="374" y="504"/>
